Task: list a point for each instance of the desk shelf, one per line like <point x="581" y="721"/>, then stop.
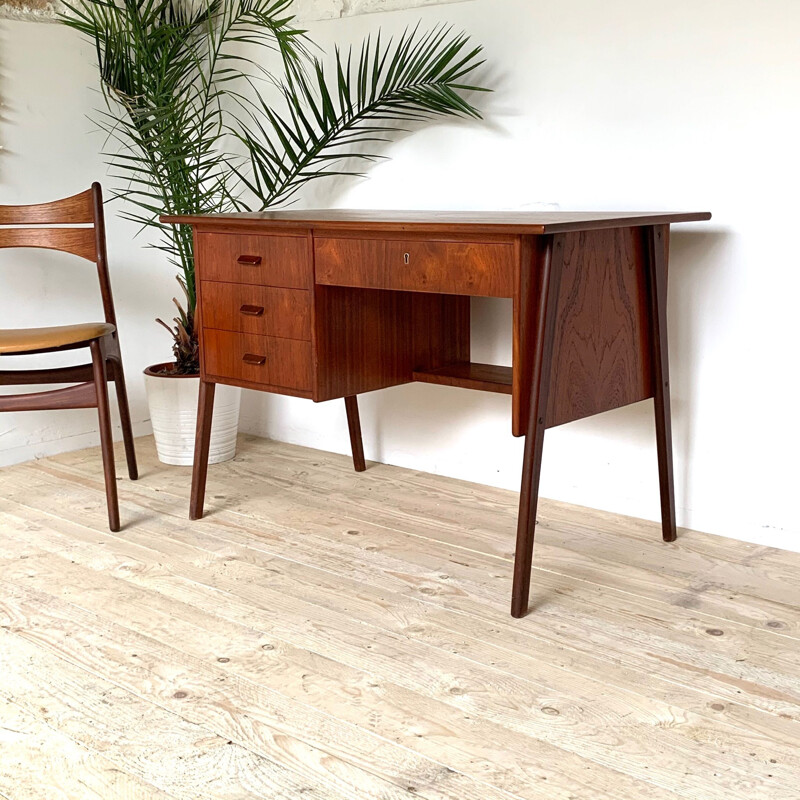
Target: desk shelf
<point x="468" y="375"/>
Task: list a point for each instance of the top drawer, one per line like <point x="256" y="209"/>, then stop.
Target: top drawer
<point x="469" y="268"/>
<point x="256" y="259"/>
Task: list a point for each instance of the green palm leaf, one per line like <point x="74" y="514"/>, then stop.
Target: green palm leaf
<point x="362" y="102"/>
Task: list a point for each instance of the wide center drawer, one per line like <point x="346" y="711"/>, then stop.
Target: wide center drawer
<point x="259" y="259"/>
<point x="485" y="269"/>
<point x="264" y="360"/>
<point x="265" y="310"/>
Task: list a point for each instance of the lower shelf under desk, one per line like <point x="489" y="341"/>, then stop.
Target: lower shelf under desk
<point x="466" y="374"/>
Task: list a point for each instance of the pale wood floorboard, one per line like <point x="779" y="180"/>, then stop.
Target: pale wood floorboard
<point x="330" y="635"/>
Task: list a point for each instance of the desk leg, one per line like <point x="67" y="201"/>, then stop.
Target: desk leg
<point x="657" y="240"/>
<point x="205" y="410"/>
<point x="537" y="418"/>
<point x="354" y="424"/>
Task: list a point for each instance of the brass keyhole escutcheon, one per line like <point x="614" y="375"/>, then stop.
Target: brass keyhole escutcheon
<point x="406" y="258"/>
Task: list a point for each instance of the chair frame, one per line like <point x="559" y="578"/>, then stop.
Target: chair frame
<point x="85" y="237"/>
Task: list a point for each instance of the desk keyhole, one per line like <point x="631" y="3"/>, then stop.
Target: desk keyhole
<point x="406" y="258"/>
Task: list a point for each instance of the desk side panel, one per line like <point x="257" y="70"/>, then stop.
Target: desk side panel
<point x="602" y="349"/>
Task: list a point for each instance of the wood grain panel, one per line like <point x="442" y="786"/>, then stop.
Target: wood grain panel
<point x="368" y="339"/>
<point x="78" y="241"/>
<point x="466" y="268"/>
<point x="440" y="330"/>
<point x="263" y="360"/>
<point x="75" y="210"/>
<point x="469" y="375"/>
<point x="602" y="348"/>
<point x="363" y="340"/>
<point x="436" y="223"/>
<point x="257" y="259"/>
<point x="264" y="310"/>
<point x="349" y="261"/>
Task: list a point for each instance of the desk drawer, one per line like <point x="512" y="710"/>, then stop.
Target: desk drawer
<point x="255" y="259"/>
<point x="469" y="268"/>
<point x="264" y="310"/>
<point x="258" y="359"/>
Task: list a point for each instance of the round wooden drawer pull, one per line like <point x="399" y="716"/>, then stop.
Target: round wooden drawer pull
<point x="256" y="361"/>
<point x="251" y="261"/>
<point x="252" y="311"/>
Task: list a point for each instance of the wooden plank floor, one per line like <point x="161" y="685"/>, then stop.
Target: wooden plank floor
<point x="335" y="636"/>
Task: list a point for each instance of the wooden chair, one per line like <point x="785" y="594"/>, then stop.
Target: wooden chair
<point x="85" y="237"/>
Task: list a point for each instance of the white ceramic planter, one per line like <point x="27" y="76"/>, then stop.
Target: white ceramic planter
<point x="173" y="413"/>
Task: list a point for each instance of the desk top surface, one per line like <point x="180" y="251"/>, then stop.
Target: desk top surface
<point x="501" y="222"/>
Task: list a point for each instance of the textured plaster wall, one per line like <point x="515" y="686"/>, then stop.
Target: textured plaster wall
<point x="36" y="10"/>
<point x="45" y="10"/>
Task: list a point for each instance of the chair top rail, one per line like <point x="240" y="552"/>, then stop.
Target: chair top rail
<point x="75" y="210"/>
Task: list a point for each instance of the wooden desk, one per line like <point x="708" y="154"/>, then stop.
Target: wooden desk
<point x="331" y="304"/>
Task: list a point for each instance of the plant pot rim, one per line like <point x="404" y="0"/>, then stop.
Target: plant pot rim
<point x="165" y="370"/>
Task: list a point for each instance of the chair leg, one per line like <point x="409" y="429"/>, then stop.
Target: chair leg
<point x="354" y="425"/>
<point x="106" y="442"/>
<point x="125" y="416"/>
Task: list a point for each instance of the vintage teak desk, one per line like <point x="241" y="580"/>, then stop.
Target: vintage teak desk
<point x="331" y="304"/>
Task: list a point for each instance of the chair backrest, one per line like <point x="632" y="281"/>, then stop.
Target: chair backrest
<point x="86" y="236"/>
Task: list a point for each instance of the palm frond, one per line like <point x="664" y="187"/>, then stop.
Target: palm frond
<point x="367" y="97"/>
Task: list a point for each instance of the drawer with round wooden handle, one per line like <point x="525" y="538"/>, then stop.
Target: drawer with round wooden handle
<point x="277" y="260"/>
<point x="263" y="360"/>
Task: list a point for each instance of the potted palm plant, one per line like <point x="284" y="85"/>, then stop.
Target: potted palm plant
<point x="219" y="105"/>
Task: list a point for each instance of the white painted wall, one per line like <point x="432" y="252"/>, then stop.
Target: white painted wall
<point x="50" y="150"/>
<point x="691" y="104"/>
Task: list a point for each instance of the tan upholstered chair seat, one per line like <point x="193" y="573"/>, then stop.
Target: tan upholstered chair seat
<point x="23" y="340"/>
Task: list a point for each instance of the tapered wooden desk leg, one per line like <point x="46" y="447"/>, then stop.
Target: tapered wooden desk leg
<point x="526" y="522"/>
<point x="106" y="441"/>
<point x="537" y="419"/>
<point x="354" y="424"/>
<point x="205" y="410"/>
<point x="658" y="238"/>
